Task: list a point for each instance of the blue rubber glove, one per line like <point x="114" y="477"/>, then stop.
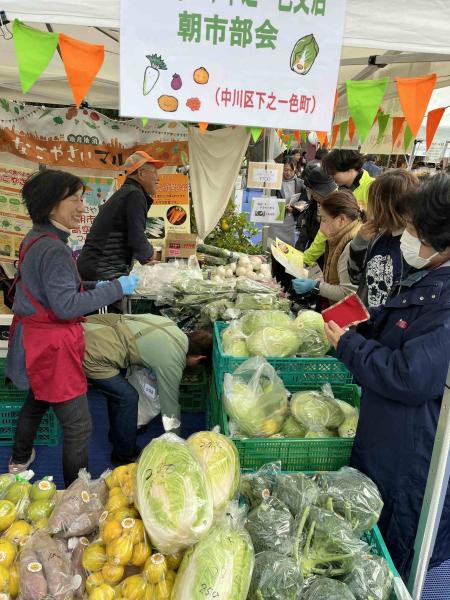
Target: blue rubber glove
<point x="101" y="283"/>
<point x="129" y="284"/>
<point x="303" y="286"/>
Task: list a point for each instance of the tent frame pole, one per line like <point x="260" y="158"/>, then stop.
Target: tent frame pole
<point x="435" y="493"/>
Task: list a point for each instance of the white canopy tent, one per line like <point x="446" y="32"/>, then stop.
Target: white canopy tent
<point x="393" y="31"/>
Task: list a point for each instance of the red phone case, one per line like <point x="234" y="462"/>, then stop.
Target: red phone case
<point x="347" y="312"/>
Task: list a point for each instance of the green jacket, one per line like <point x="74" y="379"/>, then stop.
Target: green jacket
<point x="116" y="342"/>
<point x="317" y="248"/>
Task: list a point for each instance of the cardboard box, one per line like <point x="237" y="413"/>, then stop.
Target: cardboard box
<point x="180" y="245"/>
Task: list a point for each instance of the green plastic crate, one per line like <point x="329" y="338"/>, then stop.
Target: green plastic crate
<point x="49" y="432"/>
<point x="194" y="390"/>
<point x="8" y="392"/>
<point x="293" y="371"/>
<point x="295" y="454"/>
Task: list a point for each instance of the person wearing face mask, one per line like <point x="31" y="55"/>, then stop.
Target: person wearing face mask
<point x="46" y="342"/>
<point x="340" y="222"/>
<point x="401" y="358"/>
<point x="117" y="236"/>
<point x="291" y="185"/>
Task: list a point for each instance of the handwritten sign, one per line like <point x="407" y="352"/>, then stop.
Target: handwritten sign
<point x="267" y="210"/>
<point x="265" y="175"/>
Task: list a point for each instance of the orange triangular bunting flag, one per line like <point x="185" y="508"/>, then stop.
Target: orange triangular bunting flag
<point x="325" y="141"/>
<point x="334" y="135"/>
<point x="397" y="124"/>
<point x="298" y="136"/>
<point x="414" y="94"/>
<point x="203" y="127"/>
<point x="82" y="62"/>
<point x="351" y="129"/>
<point x="321" y="136"/>
<point x="433" y="119"/>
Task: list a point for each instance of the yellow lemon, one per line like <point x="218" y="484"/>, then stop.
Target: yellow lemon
<point x="155" y="568"/>
<point x="18" y="531"/>
<point x="93" y="581"/>
<point x="4" y="579"/>
<point x="102" y="592"/>
<point x="163" y="589"/>
<point x="7" y="514"/>
<point x="116" y="502"/>
<point x="94" y="557"/>
<point x="112" y="574"/>
<point x="110" y="531"/>
<point x="7" y="552"/>
<point x="120" y="550"/>
<point x="133" y="588"/>
<point x="141" y="552"/>
<point x="14" y="581"/>
<point x="174" y="560"/>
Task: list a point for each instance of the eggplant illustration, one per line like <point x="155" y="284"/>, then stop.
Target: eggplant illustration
<point x="176" y="82"/>
<point x="152" y="72"/>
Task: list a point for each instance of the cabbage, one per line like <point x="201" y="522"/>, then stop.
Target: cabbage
<point x="257" y="319"/>
<point x="346" y="408"/>
<point x="219" y="566"/>
<point x="313" y="340"/>
<point x="174" y="494"/>
<point x="255" y="398"/>
<point x="292" y="428"/>
<point x="316" y="410"/>
<point x="234" y="341"/>
<point x="271" y="341"/>
<point x="220" y="459"/>
<point x="319" y="433"/>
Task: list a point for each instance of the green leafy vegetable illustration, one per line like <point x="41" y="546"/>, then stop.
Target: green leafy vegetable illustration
<point x="304" y="54"/>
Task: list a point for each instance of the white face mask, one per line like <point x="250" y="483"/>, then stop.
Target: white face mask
<point x="410" y="248"/>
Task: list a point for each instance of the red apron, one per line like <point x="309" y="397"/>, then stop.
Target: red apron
<point x="54" y="348"/>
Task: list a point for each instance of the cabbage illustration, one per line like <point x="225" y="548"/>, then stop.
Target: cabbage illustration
<point x="304" y="54"/>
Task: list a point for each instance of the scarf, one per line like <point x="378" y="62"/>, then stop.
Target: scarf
<point x="335" y="247"/>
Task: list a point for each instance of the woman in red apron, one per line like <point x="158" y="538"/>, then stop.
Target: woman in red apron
<point x="46" y="346"/>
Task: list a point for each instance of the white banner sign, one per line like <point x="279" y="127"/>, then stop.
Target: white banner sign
<point x="267" y="210"/>
<point x="267" y="63"/>
<point x="265" y="175"/>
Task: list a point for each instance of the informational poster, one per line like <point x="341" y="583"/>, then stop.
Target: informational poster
<point x="98" y="190"/>
<point x="266" y="63"/>
<point x="14" y="219"/>
<point x="169" y="212"/>
<point x="265" y="175"/>
<point x="267" y="209"/>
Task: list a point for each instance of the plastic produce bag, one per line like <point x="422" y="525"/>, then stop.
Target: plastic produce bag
<point x="271" y="526"/>
<point x="220" y="565"/>
<point x="253" y="485"/>
<point x="234" y="341"/>
<point x="325" y="543"/>
<point x="174" y="495"/>
<point x="144" y="382"/>
<point x="255" y="398"/>
<point x="220" y="460"/>
<point x="258" y="301"/>
<point x="44" y="569"/>
<point x="313" y="340"/>
<point x="324" y="588"/>
<point x="42" y="500"/>
<point x="251" y="286"/>
<point x="78" y="511"/>
<point x="273" y="341"/>
<point x="370" y="578"/>
<point x="352" y="495"/>
<point x="317" y="410"/>
<point x="296" y="490"/>
<point x="17" y="491"/>
<point x="257" y="319"/>
<point x="275" y="577"/>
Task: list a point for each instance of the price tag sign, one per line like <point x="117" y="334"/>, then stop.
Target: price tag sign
<point x="265" y="175"/>
<point x="267" y="209"/>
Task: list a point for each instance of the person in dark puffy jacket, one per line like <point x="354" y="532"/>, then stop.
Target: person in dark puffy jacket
<point x="401" y="358"/>
<point x="117" y="236"/>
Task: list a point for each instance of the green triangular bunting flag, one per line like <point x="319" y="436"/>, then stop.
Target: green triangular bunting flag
<point x="256" y="133"/>
<point x="289" y="142"/>
<point x="34" y="50"/>
<point x="364" y="99"/>
<point x="144" y="121"/>
<point x="383" y="121"/>
<point x="342" y="132"/>
<point x="408" y="138"/>
<point x="304" y="137"/>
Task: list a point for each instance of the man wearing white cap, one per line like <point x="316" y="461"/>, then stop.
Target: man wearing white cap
<point x="117" y="236"/>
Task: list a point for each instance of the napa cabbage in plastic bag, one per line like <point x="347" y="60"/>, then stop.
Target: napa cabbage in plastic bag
<point x="313" y="340"/>
<point x="220" y="459"/>
<point x="174" y="494"/>
<point x="271" y="341"/>
<point x="353" y="496"/>
<point x="317" y="409"/>
<point x="275" y="577"/>
<point x="220" y="565"/>
<point x="293" y="429"/>
<point x="257" y="319"/>
<point x="255" y="398"/>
